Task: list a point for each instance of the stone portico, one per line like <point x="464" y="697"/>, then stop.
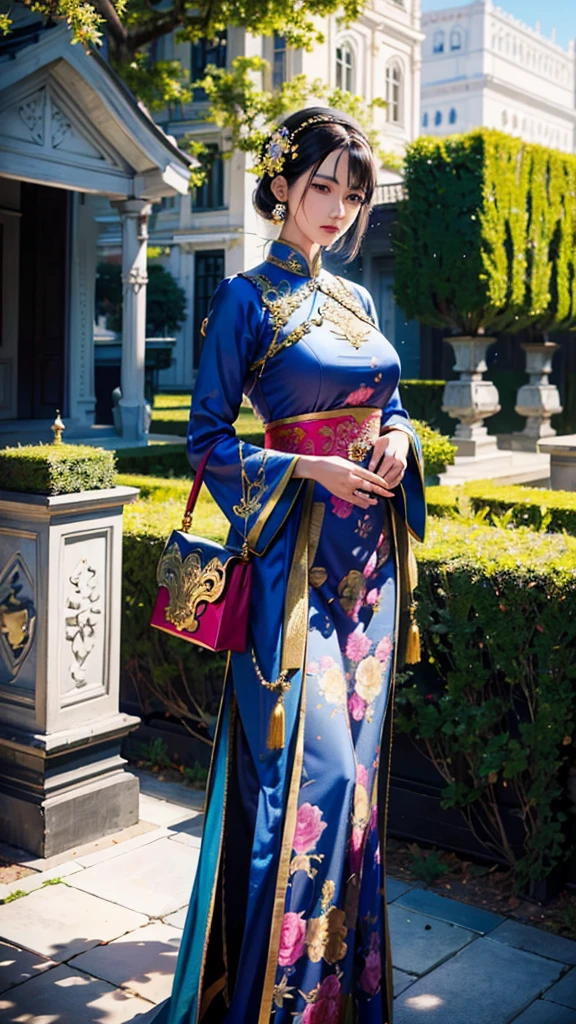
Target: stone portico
<point x="70" y="134"/>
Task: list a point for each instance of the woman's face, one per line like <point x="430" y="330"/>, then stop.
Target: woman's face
<point x="322" y="214"/>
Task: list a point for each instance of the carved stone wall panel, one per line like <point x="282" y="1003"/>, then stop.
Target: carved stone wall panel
<point x="18" y="615"/>
<point x="84" y="604"/>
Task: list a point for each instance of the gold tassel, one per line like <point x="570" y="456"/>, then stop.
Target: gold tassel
<point x="276" y="728"/>
<point x="413" y="652"/>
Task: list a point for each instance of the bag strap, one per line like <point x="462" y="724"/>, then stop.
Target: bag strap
<point x="193" y="496"/>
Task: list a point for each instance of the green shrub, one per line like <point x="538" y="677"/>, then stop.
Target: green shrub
<point x="494" y="701"/>
<point x="506" y="505"/>
<point x="441" y="501"/>
<point x="438" y="451"/>
<point x="423" y="400"/>
<point x="56" y="468"/>
<point x="161" y="460"/>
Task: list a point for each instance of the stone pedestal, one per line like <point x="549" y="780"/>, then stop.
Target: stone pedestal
<point x="133" y="414"/>
<point x="471" y="399"/>
<point x="562" y="452"/>
<point x="538" y="400"/>
<point x="62" y="779"/>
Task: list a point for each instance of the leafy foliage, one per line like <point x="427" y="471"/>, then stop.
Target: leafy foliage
<point x="496" y="709"/>
<point x="507" y="506"/>
<point x="438" y="450"/>
<point x="165" y="299"/>
<point x="56" y="469"/>
<point x="486" y="234"/>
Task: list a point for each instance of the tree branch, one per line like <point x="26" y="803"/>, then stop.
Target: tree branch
<point x="115" y="27"/>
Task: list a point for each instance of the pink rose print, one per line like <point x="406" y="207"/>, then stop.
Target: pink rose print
<point x="362" y="776"/>
<point x="357" y="706"/>
<point x="370" y="565"/>
<point x="326" y="662"/>
<point x="309" y="828"/>
<point x="312" y="669"/>
<point x="326" y="1008"/>
<point x="372" y="973"/>
<point x="358" y="645"/>
<point x="384" y="648"/>
<point x="374" y="818"/>
<point x="341" y="507"/>
<point x="292" y="939"/>
<point x="356" y="848"/>
<point x="362" y="394"/>
<point x="372" y="596"/>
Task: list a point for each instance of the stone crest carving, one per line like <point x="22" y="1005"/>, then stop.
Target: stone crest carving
<point x="60" y="125"/>
<point x="83" y="616"/>
<point x="17" y="613"/>
<point x="32" y="115"/>
<point x="136" y="278"/>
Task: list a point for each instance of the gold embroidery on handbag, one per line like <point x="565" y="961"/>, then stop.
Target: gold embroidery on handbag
<point x="189" y="585"/>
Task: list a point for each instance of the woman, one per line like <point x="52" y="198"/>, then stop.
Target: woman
<point x="287" y="920"/>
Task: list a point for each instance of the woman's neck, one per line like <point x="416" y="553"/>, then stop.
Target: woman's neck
<point x="304" y="246"/>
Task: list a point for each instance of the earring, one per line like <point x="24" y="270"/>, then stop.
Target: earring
<point x="279" y="213"/>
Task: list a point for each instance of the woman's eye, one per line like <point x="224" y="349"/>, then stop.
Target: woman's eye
<point x="355" y="198"/>
<point x="323" y="188"/>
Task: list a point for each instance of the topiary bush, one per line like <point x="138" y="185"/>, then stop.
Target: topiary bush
<point x="495" y="707"/>
<point x="56" y="468"/>
<point x="438" y="451"/>
<point x="507" y="505"/>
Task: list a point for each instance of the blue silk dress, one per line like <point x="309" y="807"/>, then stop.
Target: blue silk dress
<point x="287" y="920"/>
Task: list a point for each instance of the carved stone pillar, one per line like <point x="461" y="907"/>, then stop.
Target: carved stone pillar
<point x="134" y="214"/>
<point x="538" y="400"/>
<point x="62" y="779"/>
<point x="471" y="399"/>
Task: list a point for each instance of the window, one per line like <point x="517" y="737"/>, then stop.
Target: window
<point x="438" y="43"/>
<point x="210" y="195"/>
<point x="425" y="120"/>
<point x="204" y="52"/>
<point x="208" y="272"/>
<point x="394" y="93"/>
<point x="455" y="39"/>
<point x="452" y="116"/>
<point x="278" y="62"/>
<point x="504" y="118"/>
<point x="344" y="68"/>
<point x="438" y="118"/>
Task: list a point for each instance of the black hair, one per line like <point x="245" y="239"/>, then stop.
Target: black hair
<point x="315" y="142"/>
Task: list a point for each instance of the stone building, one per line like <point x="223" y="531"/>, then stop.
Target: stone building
<point x="214" y="231"/>
<point x="483" y="67"/>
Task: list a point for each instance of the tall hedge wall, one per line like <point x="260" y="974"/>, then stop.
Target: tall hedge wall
<point x="486" y="235"/>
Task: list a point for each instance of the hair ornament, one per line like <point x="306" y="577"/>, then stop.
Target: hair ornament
<point x="280" y="145"/>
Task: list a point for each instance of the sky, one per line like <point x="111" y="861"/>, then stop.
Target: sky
<point x="560" y="14"/>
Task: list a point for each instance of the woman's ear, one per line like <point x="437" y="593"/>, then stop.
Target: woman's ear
<point x="279" y="188"/>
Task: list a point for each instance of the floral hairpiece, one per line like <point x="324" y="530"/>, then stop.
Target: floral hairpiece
<point x="280" y="145"/>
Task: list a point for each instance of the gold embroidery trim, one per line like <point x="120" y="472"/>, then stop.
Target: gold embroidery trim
<point x="252" y="490"/>
<point x="189" y="584"/>
<point x="359" y="412"/>
<point x="256" y="530"/>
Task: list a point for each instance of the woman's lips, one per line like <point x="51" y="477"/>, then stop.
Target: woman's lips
<point x="330" y="227"/>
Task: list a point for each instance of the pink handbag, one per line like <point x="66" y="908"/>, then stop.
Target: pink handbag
<point x="204" y="589"/>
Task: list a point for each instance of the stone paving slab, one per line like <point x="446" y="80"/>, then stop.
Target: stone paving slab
<point x="18" y="965"/>
<point x="28" y="860"/>
<point x="166" y="814"/>
<point x="485" y="983"/>
<point x="155" y="879"/>
<point x="535" y="940"/>
<point x="543" y="1012"/>
<point x="173" y="792"/>
<point x="396" y="888"/>
<point x="420" y="942"/>
<point x="119" y="849"/>
<point x="463" y="914"/>
<point x="143" y="961"/>
<point x="401" y="980"/>
<point x="188" y="838"/>
<point x="565" y="991"/>
<point x="58" y="921"/>
<point x="36" y="880"/>
<point x="66" y="996"/>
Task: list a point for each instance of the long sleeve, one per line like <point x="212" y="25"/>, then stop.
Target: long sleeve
<point x="410" y="498"/>
<point x="253" y="486"/>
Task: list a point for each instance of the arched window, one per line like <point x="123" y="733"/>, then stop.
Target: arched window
<point x="425" y="119"/>
<point x="344" y="67"/>
<point x="438" y="42"/>
<point x="438" y="118"/>
<point x="455" y="39"/>
<point x="452" y="116"/>
<point x="394" y="92"/>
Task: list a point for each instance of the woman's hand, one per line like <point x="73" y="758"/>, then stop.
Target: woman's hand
<point x="342" y="478"/>
<point x="391" y="451"/>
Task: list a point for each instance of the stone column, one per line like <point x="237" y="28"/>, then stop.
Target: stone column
<point x="62" y="778"/>
<point x="133" y="415"/>
<point x="538" y="400"/>
<point x="471" y="399"/>
<point x="82" y="300"/>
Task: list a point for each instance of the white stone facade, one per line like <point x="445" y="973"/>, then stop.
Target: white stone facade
<point x="483" y="67"/>
<point x="378" y="56"/>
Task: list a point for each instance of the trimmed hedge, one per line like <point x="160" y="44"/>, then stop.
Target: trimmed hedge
<point x="56" y="469"/>
<point x="507" y="505"/>
<point x="493" y="702"/>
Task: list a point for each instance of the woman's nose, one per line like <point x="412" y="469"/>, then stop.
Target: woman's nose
<point x="339" y="210"/>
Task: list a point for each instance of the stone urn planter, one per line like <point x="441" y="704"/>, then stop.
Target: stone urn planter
<point x="62" y="779"/>
<point x="538" y="400"/>
<point x="471" y="399"/>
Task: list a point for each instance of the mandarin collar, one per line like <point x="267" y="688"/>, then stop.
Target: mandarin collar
<point x="289" y="257"/>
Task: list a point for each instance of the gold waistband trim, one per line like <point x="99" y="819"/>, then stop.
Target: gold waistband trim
<point x="359" y="412"/>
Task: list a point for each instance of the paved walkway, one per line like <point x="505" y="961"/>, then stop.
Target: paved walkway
<point x="95" y="940"/>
